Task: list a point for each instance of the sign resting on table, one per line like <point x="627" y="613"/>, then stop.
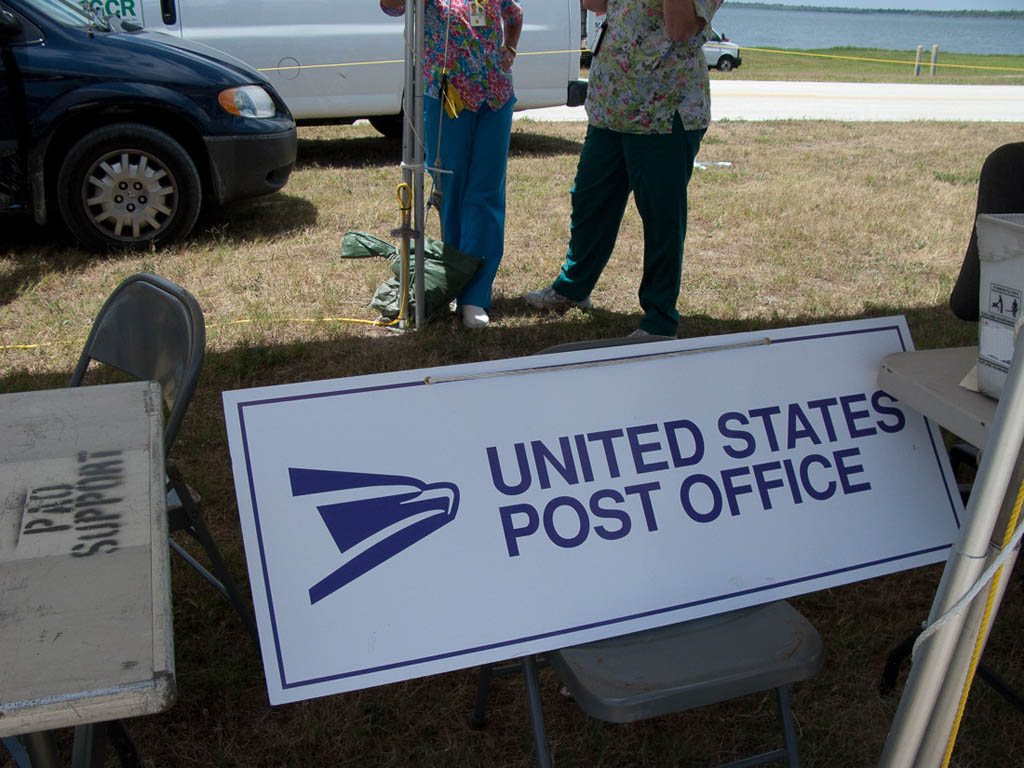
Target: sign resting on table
<point x="410" y="523"/>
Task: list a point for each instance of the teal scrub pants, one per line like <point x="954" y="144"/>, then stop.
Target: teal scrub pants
<point x="656" y="168"/>
<point x="474" y="147"/>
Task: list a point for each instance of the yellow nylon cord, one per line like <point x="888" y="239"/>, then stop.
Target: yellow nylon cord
<point x="742" y="48"/>
<point x="226" y="323"/>
<point x="979" y="641"/>
<point x="878" y="61"/>
<point x="405" y="207"/>
<point x="392" y="61"/>
<point x="10" y="347"/>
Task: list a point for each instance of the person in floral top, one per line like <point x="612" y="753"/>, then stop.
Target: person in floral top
<point x="470" y="46"/>
<point x="648" y="106"/>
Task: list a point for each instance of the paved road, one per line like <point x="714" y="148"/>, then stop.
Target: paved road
<point x="781" y="100"/>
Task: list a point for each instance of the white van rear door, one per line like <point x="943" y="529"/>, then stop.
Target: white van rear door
<point x="549" y="53"/>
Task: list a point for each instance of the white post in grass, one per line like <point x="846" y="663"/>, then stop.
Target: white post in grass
<point x="917" y="61"/>
<point x="935" y="57"/>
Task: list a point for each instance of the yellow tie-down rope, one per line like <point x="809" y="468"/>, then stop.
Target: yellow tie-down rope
<point x="405" y="232"/>
<point x="878" y="61"/>
<point x="808" y="54"/>
<point x="378" y="322"/>
<point x="982" y="631"/>
<point x="405" y="210"/>
<point x="404" y="207"/>
<point x="298" y="67"/>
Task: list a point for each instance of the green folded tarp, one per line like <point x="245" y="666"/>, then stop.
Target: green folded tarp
<point x="446" y="272"/>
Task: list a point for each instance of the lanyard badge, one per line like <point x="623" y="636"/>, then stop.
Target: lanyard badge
<point x="478" y="13"/>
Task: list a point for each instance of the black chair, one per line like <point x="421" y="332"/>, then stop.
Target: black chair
<point x="1000" y="190"/>
<point x="153" y="330"/>
<point x="676" y="667"/>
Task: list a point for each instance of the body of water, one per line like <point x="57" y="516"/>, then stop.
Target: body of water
<point x="785" y="28"/>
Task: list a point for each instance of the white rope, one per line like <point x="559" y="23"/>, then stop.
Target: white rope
<point x="966" y="600"/>
<point x="440" y="112"/>
<point x="593" y="363"/>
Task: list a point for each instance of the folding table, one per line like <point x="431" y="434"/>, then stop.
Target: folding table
<point x="929" y="381"/>
<point x="85" y="619"/>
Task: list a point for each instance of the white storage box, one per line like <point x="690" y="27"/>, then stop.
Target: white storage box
<point x="1001" y="252"/>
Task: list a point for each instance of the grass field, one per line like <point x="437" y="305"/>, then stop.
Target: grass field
<point x="811" y="222"/>
<point x="870" y="65"/>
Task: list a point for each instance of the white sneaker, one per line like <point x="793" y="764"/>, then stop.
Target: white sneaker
<point x="549" y="298"/>
<point x="474" y="317"/>
<point x="639" y="332"/>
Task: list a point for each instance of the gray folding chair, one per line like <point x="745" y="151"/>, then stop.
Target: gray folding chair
<point x="679" y="666"/>
<point x="153" y="330"/>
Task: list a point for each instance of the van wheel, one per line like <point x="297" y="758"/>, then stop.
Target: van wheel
<point x="725" y="64"/>
<point x="128" y="185"/>
<point x="389" y="125"/>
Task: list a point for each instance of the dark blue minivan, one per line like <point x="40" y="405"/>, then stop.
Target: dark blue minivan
<point x="125" y="135"/>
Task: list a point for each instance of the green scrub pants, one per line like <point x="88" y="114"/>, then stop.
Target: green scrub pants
<point x="656" y="168"/>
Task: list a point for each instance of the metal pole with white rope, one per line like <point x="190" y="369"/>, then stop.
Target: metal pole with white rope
<point x="937" y="740"/>
<point x="413" y="160"/>
<point x="924" y="719"/>
<point x="419" y="159"/>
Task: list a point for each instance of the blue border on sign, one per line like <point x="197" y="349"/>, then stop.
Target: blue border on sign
<point x="286" y="685"/>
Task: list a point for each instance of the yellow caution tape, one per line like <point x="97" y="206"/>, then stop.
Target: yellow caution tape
<point x="743" y="48"/>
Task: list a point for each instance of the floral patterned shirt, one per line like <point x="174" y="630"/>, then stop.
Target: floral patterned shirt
<point x="470" y="53"/>
<point x="640" y="78"/>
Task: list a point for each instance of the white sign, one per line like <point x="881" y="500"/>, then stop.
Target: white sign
<point x="410" y="523"/>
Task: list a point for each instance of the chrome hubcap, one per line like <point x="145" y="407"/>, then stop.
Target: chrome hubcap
<point x="130" y="195"/>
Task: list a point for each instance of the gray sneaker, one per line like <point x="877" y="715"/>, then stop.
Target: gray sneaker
<point x="549" y="298"/>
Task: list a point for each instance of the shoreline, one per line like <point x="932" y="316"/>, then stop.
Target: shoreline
<point x="900" y="11"/>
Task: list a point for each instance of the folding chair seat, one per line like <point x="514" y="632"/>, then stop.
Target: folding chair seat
<point x="680" y="666"/>
<point x="153" y="330"/>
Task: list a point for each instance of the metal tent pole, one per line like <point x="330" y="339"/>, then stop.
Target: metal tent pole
<point x="408" y="140"/>
<point x="944" y="716"/>
<point x="419" y="160"/>
<point x="413" y="151"/>
<point x="926" y="710"/>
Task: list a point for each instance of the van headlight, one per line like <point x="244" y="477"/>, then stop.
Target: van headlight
<point x="247" y="101"/>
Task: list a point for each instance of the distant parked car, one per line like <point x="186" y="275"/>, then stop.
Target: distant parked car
<point x="720" y="53"/>
<point x="123" y="134"/>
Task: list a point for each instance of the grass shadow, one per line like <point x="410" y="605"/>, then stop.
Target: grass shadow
<point x="221" y="688"/>
<point x="536" y="144"/>
<point x="36" y="252"/>
<point x="39" y="251"/>
<point x="261" y="218"/>
<point x="347" y="152"/>
<point x="363" y="151"/>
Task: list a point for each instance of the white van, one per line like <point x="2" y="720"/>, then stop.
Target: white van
<point x="340" y="60"/>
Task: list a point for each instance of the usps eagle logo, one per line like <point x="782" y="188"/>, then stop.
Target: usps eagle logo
<point x="372" y="517"/>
